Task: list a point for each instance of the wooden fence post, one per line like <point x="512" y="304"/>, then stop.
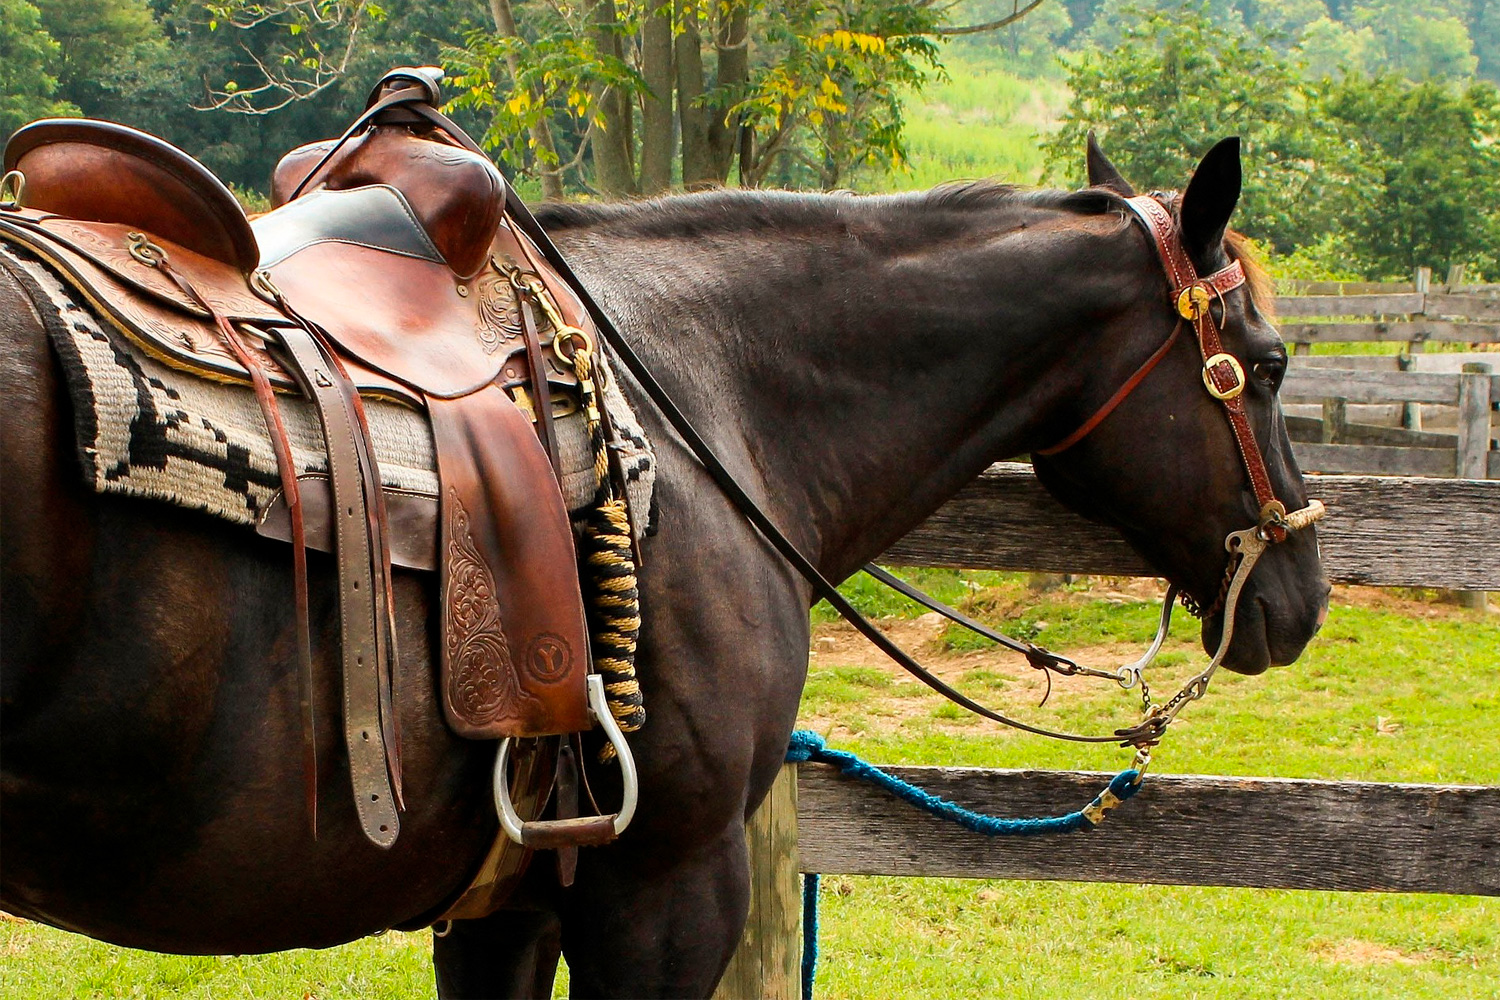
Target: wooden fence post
<point x="768" y="963"/>
<point x="1474" y="443"/>
<point x="1411" y="413"/>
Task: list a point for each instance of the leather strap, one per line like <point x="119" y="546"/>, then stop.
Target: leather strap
<point x="364" y="734"/>
<point x="515" y="650"/>
<point x="541" y="392"/>
<point x="1224" y="372"/>
<point x="1118" y="398"/>
<point x="281" y="445"/>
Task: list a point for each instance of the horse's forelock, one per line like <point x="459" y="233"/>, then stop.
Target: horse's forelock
<point x="1257" y="279"/>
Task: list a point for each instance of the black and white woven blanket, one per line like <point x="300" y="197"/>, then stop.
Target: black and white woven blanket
<point x="145" y="429"/>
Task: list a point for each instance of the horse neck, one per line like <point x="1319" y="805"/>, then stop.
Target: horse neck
<point x="855" y="360"/>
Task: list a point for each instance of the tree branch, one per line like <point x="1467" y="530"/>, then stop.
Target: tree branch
<point x="974" y="29"/>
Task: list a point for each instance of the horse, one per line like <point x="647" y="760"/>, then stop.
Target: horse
<point x="854" y="361"/>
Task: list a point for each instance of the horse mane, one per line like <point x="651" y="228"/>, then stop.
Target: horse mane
<point x="729" y="210"/>
<point x="733" y="210"/>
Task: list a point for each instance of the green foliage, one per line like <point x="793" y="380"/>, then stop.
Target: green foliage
<point x="29" y="61"/>
<point x="1346" y="173"/>
<point x="560" y="72"/>
<point x="1175" y="84"/>
<point x="831" y="95"/>
<point x="1432" y="195"/>
<point x="1419" y="42"/>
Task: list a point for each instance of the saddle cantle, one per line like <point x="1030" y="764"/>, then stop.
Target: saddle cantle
<point x="387" y="267"/>
<point x="97" y="171"/>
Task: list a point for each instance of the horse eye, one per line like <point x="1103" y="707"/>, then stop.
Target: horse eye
<point x="1270" y="372"/>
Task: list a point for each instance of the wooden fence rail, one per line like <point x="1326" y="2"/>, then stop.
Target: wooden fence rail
<point x="1179" y="830"/>
<point x="1345" y="446"/>
<point x="1383" y="531"/>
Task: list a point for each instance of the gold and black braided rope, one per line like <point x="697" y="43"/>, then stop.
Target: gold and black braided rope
<point x="611" y="601"/>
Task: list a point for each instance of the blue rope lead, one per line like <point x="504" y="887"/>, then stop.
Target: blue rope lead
<point x="807" y="745"/>
<point x="809" y="933"/>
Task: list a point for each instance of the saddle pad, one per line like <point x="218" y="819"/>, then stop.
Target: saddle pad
<point x="147" y="430"/>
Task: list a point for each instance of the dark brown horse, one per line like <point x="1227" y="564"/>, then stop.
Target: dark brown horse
<point x="855" y="360"/>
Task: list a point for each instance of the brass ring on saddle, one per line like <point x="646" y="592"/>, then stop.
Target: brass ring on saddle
<point x="569" y="340"/>
<point x="1234" y="366"/>
<point x="143" y="250"/>
<point x="12" y="190"/>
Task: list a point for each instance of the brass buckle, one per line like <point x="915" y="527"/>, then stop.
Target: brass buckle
<point x="12" y="190"/>
<point x="1234" y="365"/>
<point x="568" y="341"/>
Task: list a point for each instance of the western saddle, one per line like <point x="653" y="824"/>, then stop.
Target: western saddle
<point x="387" y="266"/>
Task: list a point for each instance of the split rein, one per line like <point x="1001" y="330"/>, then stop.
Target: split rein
<point x="1224" y="378"/>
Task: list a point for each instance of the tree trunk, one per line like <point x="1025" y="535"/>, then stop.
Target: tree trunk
<point x="732" y="41"/>
<point x="697" y="160"/>
<point x="610" y="127"/>
<point x="656" y="104"/>
<point x="548" y="166"/>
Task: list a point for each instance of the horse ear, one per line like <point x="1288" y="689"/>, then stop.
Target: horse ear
<point x="1210" y="199"/>
<point x="1102" y="173"/>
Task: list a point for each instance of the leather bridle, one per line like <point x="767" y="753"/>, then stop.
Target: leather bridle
<point x="1223" y="375"/>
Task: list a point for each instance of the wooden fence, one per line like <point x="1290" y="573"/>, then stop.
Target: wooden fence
<point x="1179" y="830"/>
<point x="1366" y="414"/>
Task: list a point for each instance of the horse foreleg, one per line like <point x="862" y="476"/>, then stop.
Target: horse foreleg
<point x="648" y="930"/>
<point x="512" y="953"/>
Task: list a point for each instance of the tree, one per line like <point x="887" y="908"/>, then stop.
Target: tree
<point x="1434" y="153"/>
<point x="1173" y="86"/>
<point x="1421" y="42"/>
<point x="29" y="58"/>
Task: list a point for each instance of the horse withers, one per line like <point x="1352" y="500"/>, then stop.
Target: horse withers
<point x="855" y="360"/>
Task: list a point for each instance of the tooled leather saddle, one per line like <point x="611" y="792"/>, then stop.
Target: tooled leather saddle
<point x="387" y="267"/>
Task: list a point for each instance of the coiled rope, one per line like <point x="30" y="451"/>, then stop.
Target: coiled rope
<point x="612" y="601"/>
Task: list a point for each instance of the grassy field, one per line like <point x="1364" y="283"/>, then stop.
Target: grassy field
<point x="1397" y="687"/>
<point x="983" y="121"/>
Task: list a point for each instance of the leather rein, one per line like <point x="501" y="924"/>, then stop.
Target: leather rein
<point x="1223" y="376"/>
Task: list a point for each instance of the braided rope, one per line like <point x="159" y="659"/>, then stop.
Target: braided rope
<point x="612" y="603"/>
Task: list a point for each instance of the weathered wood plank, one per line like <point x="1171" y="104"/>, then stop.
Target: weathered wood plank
<point x="1480" y="307"/>
<point x="1369" y="386"/>
<point x="768" y="963"/>
<point x="1475" y="392"/>
<point x="1382" y="531"/>
<point x="1377" y="460"/>
<point x="1310" y="430"/>
<point x="1387" y="304"/>
<point x="1302" y="286"/>
<point x="1178" y="830"/>
<point x="1404" y="331"/>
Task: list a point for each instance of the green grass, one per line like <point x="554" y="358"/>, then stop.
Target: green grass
<point x="981" y="122"/>
<point x="1379" y="695"/>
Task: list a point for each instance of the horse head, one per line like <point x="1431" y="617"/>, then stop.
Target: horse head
<point x="1153" y="437"/>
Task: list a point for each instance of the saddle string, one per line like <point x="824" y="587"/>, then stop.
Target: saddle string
<point x="377" y="527"/>
<point x="154" y="256"/>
